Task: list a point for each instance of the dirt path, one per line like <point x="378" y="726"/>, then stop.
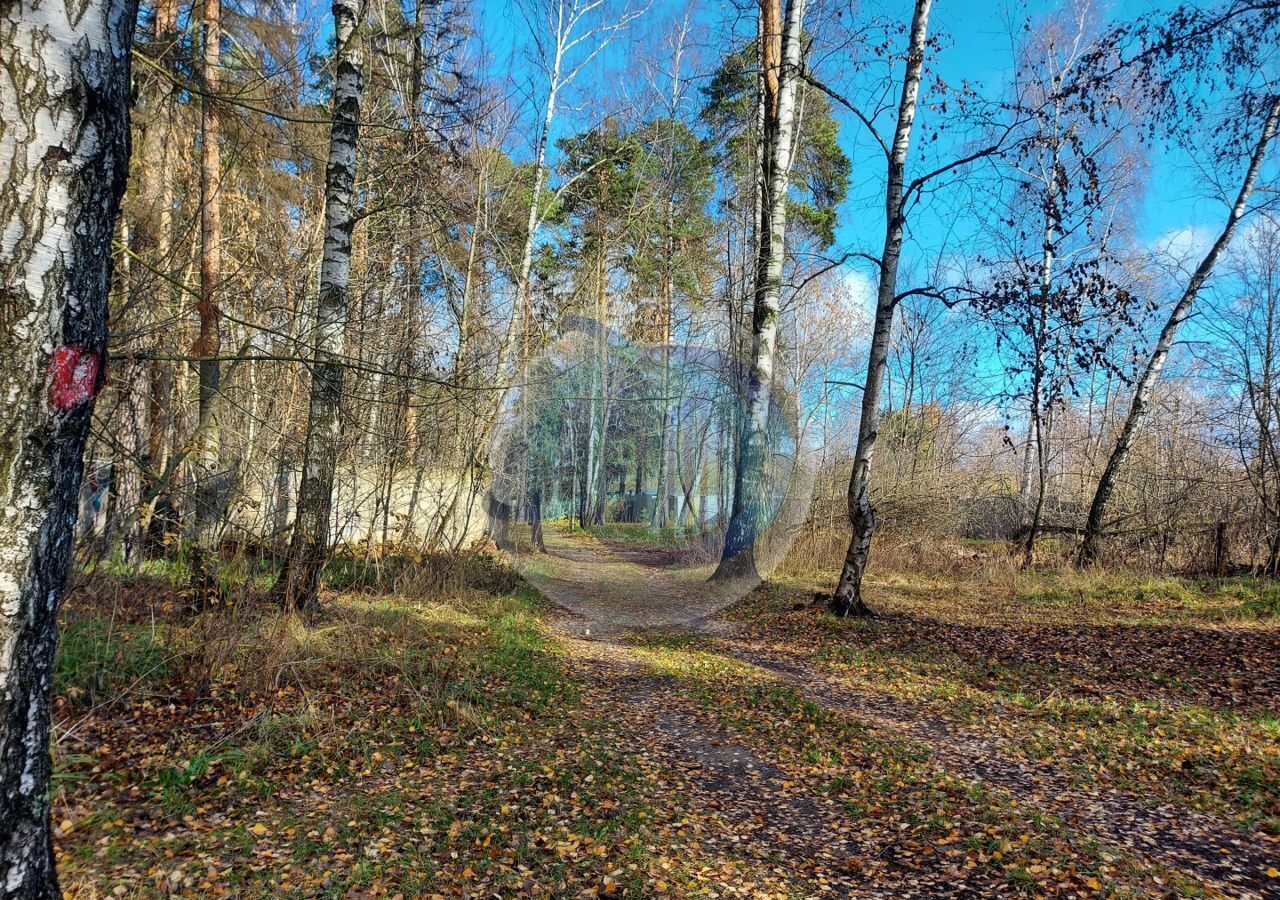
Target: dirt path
<point x="607" y="590"/>
<point x="795" y="843"/>
<point x="612" y="588"/>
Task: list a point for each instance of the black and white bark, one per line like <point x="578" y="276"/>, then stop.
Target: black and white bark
<point x="299" y="582"/>
<point x="1145" y="385"/>
<point x="780" y="72"/>
<point x="64" y="144"/>
<point x="847" y="599"/>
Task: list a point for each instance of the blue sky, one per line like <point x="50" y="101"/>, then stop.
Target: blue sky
<point x="978" y="51"/>
<point x="1175" y="201"/>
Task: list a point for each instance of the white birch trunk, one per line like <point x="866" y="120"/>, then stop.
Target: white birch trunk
<point x="847" y="599"/>
<point x="299" y="583"/>
<point x="1160" y="352"/>
<point x="737" y="560"/>
<point x="65" y="144"/>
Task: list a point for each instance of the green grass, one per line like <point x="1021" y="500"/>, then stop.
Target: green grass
<point x="235" y="573"/>
<point x="1257" y="598"/>
<point x="1211" y="599"/>
<point x="437" y="574"/>
<point x="99" y="658"/>
<point x="885" y="783"/>
<point x="1155" y="730"/>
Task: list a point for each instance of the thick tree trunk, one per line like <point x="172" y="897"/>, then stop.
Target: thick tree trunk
<point x="299" y="582"/>
<point x="779" y="71"/>
<point x="847" y="599"/>
<point x="151" y="241"/>
<point x="65" y="143"/>
<point x="209" y="342"/>
<point x="1160" y="352"/>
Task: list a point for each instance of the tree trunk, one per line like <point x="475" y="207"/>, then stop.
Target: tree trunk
<point x="1040" y="335"/>
<point x="127" y="484"/>
<point x="637" y="501"/>
<point x="781" y="60"/>
<point x="847" y="599"/>
<point x="1160" y="352"/>
<point x="506" y="365"/>
<point x="152" y="240"/>
<point x="65" y="144"/>
<point x="537" y="541"/>
<point x="209" y="343"/>
<point x="659" y="520"/>
<point x="600" y="395"/>
<point x="299" y="582"/>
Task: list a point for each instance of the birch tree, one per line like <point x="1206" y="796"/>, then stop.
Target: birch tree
<point x="299" y="582"/>
<point x="1245" y="319"/>
<point x="847" y="599"/>
<point x="1178" y="313"/>
<point x="1056" y="300"/>
<point x="900" y="195"/>
<point x="1189" y="61"/>
<point x="577" y="31"/>
<point x="781" y="62"/>
<point x="64" y="143"/>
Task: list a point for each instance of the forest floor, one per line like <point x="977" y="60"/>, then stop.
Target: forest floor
<point x="1009" y="733"/>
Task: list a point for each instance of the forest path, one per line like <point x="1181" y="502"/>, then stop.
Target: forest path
<point x="612" y="587"/>
<point x="739" y="805"/>
<point x="610" y="592"/>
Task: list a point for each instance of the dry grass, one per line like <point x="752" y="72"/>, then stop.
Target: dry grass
<point x="987" y="582"/>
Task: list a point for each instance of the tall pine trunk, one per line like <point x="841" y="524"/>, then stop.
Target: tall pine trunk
<point x="65" y="144"/>
<point x="152" y="241"/>
<point x="208" y="344"/>
<point x="1160" y="352"/>
<point x="299" y="582"/>
<point x="847" y="599"/>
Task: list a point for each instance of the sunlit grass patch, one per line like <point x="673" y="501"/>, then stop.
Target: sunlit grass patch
<point x="641" y="533"/>
<point x="1257" y="598"/>
<point x="1210" y="757"/>
<point x="390" y="745"/>
<point x="1056" y="666"/>
<point x="893" y="788"/>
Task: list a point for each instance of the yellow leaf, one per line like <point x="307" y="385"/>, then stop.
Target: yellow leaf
<point x="1273" y="872"/>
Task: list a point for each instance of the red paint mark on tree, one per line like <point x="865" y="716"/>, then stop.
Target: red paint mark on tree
<point x="73" y="377"/>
